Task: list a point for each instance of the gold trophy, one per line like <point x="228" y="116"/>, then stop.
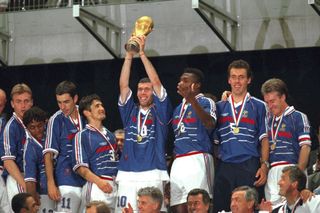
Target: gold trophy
<point x="143" y="26"/>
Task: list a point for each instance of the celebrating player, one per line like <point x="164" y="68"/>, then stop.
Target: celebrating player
<point x="13" y="139"/>
<point x="289" y="136"/>
<point x="193" y="122"/>
<point x="94" y="154"/>
<point x="62" y="127"/>
<point x="241" y="133"/>
<point x="142" y="161"/>
<point x="36" y="181"/>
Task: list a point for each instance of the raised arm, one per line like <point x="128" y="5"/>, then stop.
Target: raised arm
<point x="150" y="70"/>
<point x="124" y="76"/>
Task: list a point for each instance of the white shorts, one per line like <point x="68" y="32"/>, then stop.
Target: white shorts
<point x="92" y="192"/>
<point x="4" y="203"/>
<point x="193" y="170"/>
<point x="129" y="184"/>
<point x="272" y="188"/>
<point x="47" y="205"/>
<point x="70" y="199"/>
<point x="13" y="188"/>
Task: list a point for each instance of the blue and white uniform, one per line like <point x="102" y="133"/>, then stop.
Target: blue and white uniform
<point x="142" y="161"/>
<point x="96" y="150"/>
<point x="35" y="172"/>
<point x="287" y="133"/>
<point x="193" y="149"/>
<point x="11" y="145"/>
<point x="4" y="203"/>
<point x="61" y="130"/>
<point x="240" y="129"/>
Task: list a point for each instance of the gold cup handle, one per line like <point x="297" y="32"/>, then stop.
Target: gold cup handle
<point x="143" y="27"/>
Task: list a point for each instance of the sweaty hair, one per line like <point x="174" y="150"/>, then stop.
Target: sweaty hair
<point x="295" y="174"/>
<point x="18" y="202"/>
<point x="86" y="101"/>
<point x="34" y="114"/>
<point x="101" y="206"/>
<point x="153" y="192"/>
<point x="198" y="74"/>
<point x="204" y="193"/>
<point x="145" y="80"/>
<point x="250" y="194"/>
<point x="240" y="64"/>
<point x="274" y="85"/>
<point x="19" y="89"/>
<point x="66" y="87"/>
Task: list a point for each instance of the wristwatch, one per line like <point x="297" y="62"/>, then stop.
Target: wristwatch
<point x="266" y="163"/>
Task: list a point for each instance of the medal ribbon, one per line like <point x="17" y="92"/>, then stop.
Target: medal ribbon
<point x="274" y="134"/>
<point x="237" y="118"/>
<point x="139" y="125"/>
<point x="19" y="120"/>
<point x="183" y="111"/>
<point x="79" y="125"/>
<point x="105" y="138"/>
<point x="296" y="204"/>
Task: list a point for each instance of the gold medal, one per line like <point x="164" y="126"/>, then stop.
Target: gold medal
<point x="139" y="138"/>
<point x="273" y="146"/>
<point x="236" y="130"/>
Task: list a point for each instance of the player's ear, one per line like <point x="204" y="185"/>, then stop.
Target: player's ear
<point x="75" y="98"/>
<point x="86" y="113"/>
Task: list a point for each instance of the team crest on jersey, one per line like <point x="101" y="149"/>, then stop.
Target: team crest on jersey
<point x="245" y="114"/>
<point x="103" y="143"/>
<point x="283" y="128"/>
<point x="189" y="114"/>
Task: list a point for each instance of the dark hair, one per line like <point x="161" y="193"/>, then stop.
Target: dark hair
<point x="101" y="206"/>
<point x="204" y="193"/>
<point x="18" y="201"/>
<point x="251" y="194"/>
<point x="66" y="87"/>
<point x="34" y="114"/>
<point x="198" y="74"/>
<point x="145" y="80"/>
<point x="240" y="64"/>
<point x="295" y="174"/>
<point x="86" y="102"/>
<point x="274" y="85"/>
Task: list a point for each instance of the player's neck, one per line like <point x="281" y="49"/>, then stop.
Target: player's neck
<point x="96" y="124"/>
<point x="293" y="197"/>
<point x="74" y="114"/>
<point x="239" y="97"/>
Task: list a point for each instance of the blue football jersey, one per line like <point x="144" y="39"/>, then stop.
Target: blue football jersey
<point x="241" y="145"/>
<point x="145" y="134"/>
<point x="60" y="133"/>
<point x="95" y="150"/>
<point x="190" y="133"/>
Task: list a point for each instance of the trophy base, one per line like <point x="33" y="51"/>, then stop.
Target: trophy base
<point x="132" y="47"/>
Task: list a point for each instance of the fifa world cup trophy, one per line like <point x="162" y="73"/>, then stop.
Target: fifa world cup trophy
<point x="142" y="27"/>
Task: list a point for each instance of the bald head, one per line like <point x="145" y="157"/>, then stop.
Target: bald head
<point x="3" y="100"/>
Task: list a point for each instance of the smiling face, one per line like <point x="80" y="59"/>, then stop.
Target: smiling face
<point x="276" y="103"/>
<point x="144" y="94"/>
<point x="239" y="81"/>
<point x="97" y="111"/>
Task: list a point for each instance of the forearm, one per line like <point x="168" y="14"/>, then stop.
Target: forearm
<point x="205" y="118"/>
<point x="31" y="188"/>
<point x="48" y="160"/>
<point x="14" y="171"/>
<point x="151" y="72"/>
<point x="125" y="75"/>
<point x="304" y="157"/>
<point x="265" y="149"/>
<point x="88" y="174"/>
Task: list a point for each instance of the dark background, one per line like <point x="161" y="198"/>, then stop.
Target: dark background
<point x="299" y="68"/>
